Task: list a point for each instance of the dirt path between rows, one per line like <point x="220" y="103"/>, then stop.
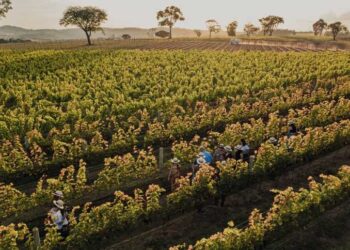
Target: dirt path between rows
<point x="193" y="226"/>
<point x="329" y="231"/>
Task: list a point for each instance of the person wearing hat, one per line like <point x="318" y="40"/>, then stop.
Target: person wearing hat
<point x="59" y="217"/>
<point x="273" y="141"/>
<point x="228" y="153"/>
<point x="242" y="151"/>
<point x="292" y="129"/>
<point x="174" y="173"/>
<point x="219" y="153"/>
<point x="58" y="195"/>
<point x="195" y="167"/>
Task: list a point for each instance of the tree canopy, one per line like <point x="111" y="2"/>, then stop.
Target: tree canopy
<point x="270" y="23"/>
<point x="89" y="19"/>
<point x="213" y="26"/>
<point x="162" y="34"/>
<point x="337" y="28"/>
<point x="319" y="26"/>
<point x="250" y="29"/>
<point x="198" y="33"/>
<point x="169" y="17"/>
<point x="5" y="6"/>
<point x="231" y="28"/>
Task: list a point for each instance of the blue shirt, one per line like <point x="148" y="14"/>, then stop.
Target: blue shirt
<point x="207" y="157"/>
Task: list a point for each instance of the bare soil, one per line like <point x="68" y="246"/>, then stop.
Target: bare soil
<point x="330" y="231"/>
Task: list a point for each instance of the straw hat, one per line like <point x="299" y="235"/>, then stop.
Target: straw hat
<point x="58" y="194"/>
<point x="175" y="161"/>
<point x="201" y="154"/>
<point x="201" y="160"/>
<point x="228" y="148"/>
<point x="273" y="140"/>
<point x="59" y="204"/>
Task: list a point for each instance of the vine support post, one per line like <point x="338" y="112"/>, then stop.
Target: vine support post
<point x="251" y="163"/>
<point x="161" y="157"/>
<point x="36" y="236"/>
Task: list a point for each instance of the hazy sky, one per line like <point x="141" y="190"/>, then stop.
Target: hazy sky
<point x="298" y="14"/>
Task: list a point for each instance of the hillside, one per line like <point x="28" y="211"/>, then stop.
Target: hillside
<point x="7" y="32"/>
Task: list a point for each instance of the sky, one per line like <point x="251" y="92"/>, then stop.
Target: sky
<point x="298" y="14"/>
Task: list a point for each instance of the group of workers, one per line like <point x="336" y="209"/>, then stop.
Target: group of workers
<point x="221" y="154"/>
<point x="58" y="215"/>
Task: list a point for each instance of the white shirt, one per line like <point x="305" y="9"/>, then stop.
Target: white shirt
<point x="245" y="149"/>
<point x="58" y="218"/>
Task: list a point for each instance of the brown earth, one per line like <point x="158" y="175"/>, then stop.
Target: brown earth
<point x="329" y="231"/>
<point x="176" y="44"/>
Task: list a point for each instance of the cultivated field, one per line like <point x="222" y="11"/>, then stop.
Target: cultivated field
<point x="220" y="44"/>
<point x="101" y="125"/>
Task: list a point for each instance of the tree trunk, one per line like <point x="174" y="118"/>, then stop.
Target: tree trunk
<point x="171" y="32"/>
<point x="209" y="34"/>
<point x="88" y="37"/>
<point x="334" y="36"/>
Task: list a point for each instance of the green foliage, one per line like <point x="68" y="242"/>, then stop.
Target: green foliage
<point x="99" y="100"/>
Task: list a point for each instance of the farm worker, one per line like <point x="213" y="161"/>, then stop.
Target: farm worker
<point x="59" y="217"/>
<point x="273" y="141"/>
<point x="174" y="173"/>
<point x="206" y="155"/>
<point x="228" y="153"/>
<point x="242" y="151"/>
<point x="292" y="129"/>
<point x="219" y="153"/>
<point x="195" y="167"/>
<point x="58" y="195"/>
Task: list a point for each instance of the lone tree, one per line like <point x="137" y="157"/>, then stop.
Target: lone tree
<point x="169" y="17"/>
<point x="5" y="6"/>
<point x="89" y="19"/>
<point x="270" y="23"/>
<point x="250" y="29"/>
<point x="319" y="26"/>
<point x="337" y="28"/>
<point x="213" y="26"/>
<point x="231" y="28"/>
<point x="198" y="33"/>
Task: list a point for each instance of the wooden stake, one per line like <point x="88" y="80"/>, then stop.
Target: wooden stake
<point x="161" y="157"/>
<point x="36" y="238"/>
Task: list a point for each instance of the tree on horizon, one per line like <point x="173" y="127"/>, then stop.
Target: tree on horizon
<point x="250" y="29"/>
<point x="169" y="17"/>
<point x="319" y="26"/>
<point x="89" y="19"/>
<point x="337" y="28"/>
<point x="213" y="26"/>
<point x="231" y="28"/>
<point x="269" y="24"/>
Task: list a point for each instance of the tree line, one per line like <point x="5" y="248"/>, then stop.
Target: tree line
<point x="90" y="19"/>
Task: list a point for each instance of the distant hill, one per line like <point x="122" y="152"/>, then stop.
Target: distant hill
<point x="13" y="32"/>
